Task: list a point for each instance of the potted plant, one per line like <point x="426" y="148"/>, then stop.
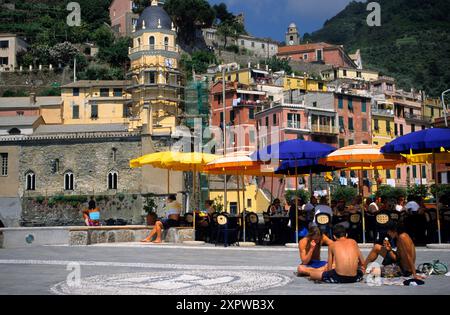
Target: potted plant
<point x="150" y="210"/>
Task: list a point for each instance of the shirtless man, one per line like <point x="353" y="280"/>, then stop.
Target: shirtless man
<point x="344" y="260"/>
<point x="404" y="257"/>
<point x="309" y="248"/>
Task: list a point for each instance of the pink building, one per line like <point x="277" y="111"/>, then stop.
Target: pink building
<point x="318" y="52"/>
<point x="241" y="104"/>
<point x="122" y="16"/>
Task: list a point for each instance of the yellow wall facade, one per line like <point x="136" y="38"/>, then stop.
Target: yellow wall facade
<point x="307" y="84"/>
<point x="259" y="202"/>
<point x="52" y="114"/>
<point x="110" y="109"/>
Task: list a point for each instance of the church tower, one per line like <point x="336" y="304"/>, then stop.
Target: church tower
<point x="292" y="35"/>
<point x="156" y="82"/>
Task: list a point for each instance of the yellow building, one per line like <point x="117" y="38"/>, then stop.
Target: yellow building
<point x="383" y="126"/>
<point x="350" y="73"/>
<point x="156" y="81"/>
<point x="246" y="76"/>
<point x="303" y="83"/>
<point x="255" y="200"/>
<point x="433" y="108"/>
<point x="95" y="102"/>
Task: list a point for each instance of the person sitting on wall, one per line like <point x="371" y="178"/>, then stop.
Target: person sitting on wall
<point x="171" y="219"/>
<point x="91" y="215"/>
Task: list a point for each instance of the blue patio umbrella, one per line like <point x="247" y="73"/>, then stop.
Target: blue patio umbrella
<point x="424" y="141"/>
<point x="307" y="166"/>
<point x="294" y="151"/>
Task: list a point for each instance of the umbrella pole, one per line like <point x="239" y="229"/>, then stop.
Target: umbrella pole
<point x="168" y="181"/>
<point x="362" y="207"/>
<point x="271" y="190"/>
<point x="194" y="200"/>
<point x="238" y="193"/>
<point x="437" y="197"/>
<point x="296" y="204"/>
<point x="243" y="209"/>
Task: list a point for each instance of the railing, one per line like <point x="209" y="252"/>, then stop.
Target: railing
<point x="325" y="129"/>
<point x="417" y="117"/>
<point x="384" y="112"/>
<point x="294" y="125"/>
<point x="154" y="47"/>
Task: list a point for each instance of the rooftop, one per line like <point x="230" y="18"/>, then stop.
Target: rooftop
<point x="59" y="129"/>
<point x="24" y="102"/>
<point x="18" y="121"/>
<point x="97" y="83"/>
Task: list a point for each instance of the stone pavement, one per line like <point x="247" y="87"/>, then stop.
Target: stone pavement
<point x="135" y="268"/>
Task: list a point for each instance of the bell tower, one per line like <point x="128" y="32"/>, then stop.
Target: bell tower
<point x="292" y="35"/>
<point x="156" y="81"/>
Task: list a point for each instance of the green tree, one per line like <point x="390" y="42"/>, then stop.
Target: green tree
<point x="117" y="53"/>
<point x="278" y="64"/>
<point x="222" y="13"/>
<point x="230" y="29"/>
<point x="199" y="62"/>
<point x="63" y="53"/>
<point x="190" y="15"/>
<point x="103" y="37"/>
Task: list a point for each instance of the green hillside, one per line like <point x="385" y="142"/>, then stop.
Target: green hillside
<point x="412" y="44"/>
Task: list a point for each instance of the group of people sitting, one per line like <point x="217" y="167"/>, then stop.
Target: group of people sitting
<point x="346" y="263"/>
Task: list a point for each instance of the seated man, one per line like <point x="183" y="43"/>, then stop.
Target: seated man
<point x="404" y="257"/>
<point x="344" y="260"/>
<point x="172" y="219"/>
<point x="309" y="248"/>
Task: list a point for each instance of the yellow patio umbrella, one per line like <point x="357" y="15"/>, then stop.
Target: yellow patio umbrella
<point x="427" y="158"/>
<point x="176" y="161"/>
<point x="361" y="157"/>
<point x="239" y="164"/>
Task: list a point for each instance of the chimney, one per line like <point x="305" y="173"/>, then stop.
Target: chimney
<point x="32" y="98"/>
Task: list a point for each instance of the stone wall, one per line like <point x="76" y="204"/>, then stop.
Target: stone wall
<point x="89" y="160"/>
<point x="56" y="211"/>
<point x="36" y="80"/>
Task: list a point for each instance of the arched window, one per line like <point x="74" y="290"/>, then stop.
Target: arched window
<point x="68" y="181"/>
<point x="30" y="181"/>
<point x="152" y="42"/>
<point x="114" y="154"/>
<point x="113" y="178"/>
<point x="14" y="131"/>
<point x="166" y="43"/>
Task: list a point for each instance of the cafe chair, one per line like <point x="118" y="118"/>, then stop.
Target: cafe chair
<point x="225" y="227"/>
<point x="252" y="222"/>
<point x="323" y="221"/>
<point x="355" y="223"/>
<point x="189" y="219"/>
<point x="381" y="221"/>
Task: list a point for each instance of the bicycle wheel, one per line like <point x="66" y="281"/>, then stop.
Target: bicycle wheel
<point x="439" y="268"/>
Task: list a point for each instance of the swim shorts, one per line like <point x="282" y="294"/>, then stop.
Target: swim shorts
<point x="333" y="277"/>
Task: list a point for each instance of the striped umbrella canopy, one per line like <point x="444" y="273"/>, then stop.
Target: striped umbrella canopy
<point x="362" y="156"/>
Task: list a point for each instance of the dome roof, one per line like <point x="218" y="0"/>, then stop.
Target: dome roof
<point x="153" y="16"/>
<point x="292" y="25"/>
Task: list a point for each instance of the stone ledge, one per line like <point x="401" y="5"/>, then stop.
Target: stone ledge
<point x="438" y="246"/>
<point x="246" y="244"/>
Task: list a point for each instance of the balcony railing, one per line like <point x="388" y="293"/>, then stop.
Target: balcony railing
<point x="154" y="47"/>
<point x="383" y="112"/>
<point x="418" y="117"/>
<point x="325" y="129"/>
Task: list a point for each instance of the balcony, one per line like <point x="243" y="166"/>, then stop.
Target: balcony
<point x="418" y="117"/>
<point x="325" y="129"/>
<point x="382" y="112"/>
<point x="173" y="49"/>
<point x="295" y="126"/>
